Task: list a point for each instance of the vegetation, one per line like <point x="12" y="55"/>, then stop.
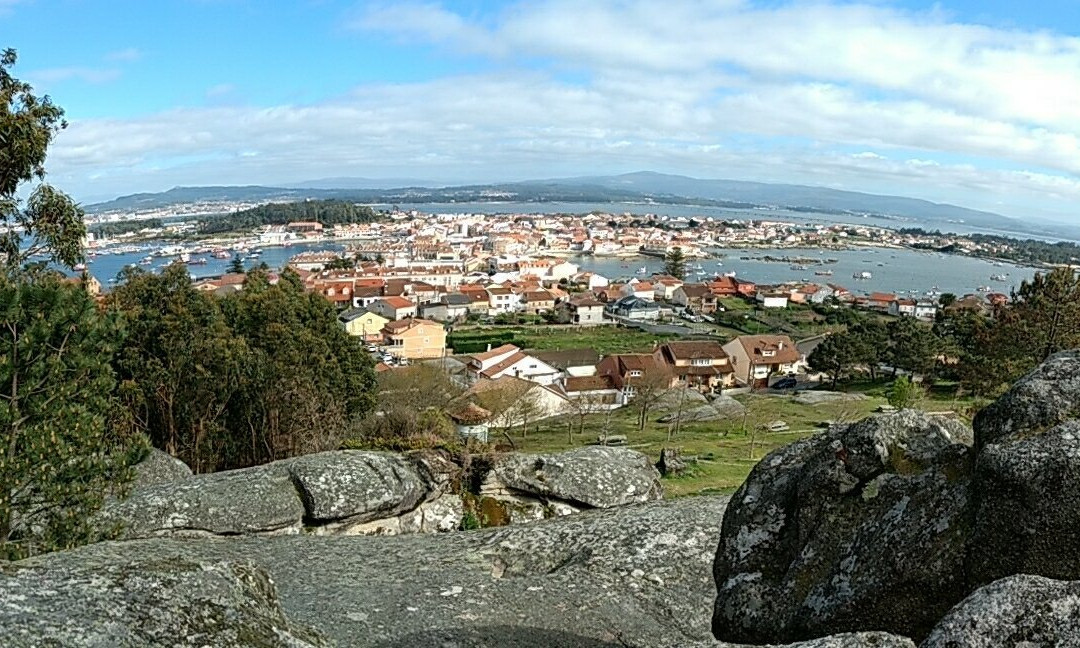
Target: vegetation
<point x="59" y="454"/>
<point x="325" y="212"/>
<point x="263" y="374"/>
<point x="1013" y="249"/>
<point x="904" y="393"/>
<point x="675" y="263"/>
<point x="605" y="339"/>
<point x="126" y="227"/>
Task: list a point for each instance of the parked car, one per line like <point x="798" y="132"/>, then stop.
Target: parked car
<point x="785" y="383"/>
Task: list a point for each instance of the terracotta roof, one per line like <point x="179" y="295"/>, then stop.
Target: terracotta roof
<point x="881" y="297"/>
<point x="497" y="351"/>
<point x="586" y="302"/>
<point x="588" y="383"/>
<point x="696" y="291"/>
<point x="469" y="413"/>
<point x="781" y="345"/>
<point x="398" y="302"/>
<point x="408" y="323"/>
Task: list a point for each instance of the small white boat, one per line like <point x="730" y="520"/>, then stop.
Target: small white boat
<point x="729" y="274"/>
<point x="79" y="267"/>
<point x="643" y="270"/>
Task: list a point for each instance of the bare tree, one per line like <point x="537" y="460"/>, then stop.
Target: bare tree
<point x="649" y="390"/>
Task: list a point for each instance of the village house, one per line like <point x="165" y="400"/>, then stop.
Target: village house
<point x="925" y="310"/>
<point x="502" y="300"/>
<point x="593" y="393"/>
<point x="571" y="362"/>
<point x="513" y="401"/>
<point x="695" y="297"/>
<point x="702" y="365"/>
<point x="538" y="301"/>
<point x="903" y="307"/>
<point x="640" y="289"/>
<point x="364" y="324"/>
<point x="879" y="301"/>
<point x="772" y="299"/>
<point x="393" y="308"/>
<point x="584" y="310"/>
<point x="628" y="371"/>
<point x="452" y="307"/>
<point x="414" y="338"/>
<point x="634" y="308"/>
<point x="757" y="357"/>
<point x="509" y="360"/>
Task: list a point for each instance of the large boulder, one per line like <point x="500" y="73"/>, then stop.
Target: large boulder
<point x="1047" y="396"/>
<point x="595" y="476"/>
<point x="251" y="500"/>
<point x="1016" y="611"/>
<point x="159" y="467"/>
<point x="862" y="527"/>
<point x="721" y="408"/>
<point x="636" y="575"/>
<point x="1028" y="515"/>
<point x="354" y="486"/>
<point x="153" y="602"/>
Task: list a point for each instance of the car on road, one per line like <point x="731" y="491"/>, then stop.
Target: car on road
<point x="785" y="383"/>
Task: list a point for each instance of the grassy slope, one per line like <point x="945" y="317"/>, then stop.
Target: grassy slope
<point x="722" y="447"/>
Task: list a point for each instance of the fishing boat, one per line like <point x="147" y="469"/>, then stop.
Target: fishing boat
<point x="823" y="273"/>
<point x="730" y="273"/>
<point x="643" y="270"/>
<point x="199" y="261"/>
<point x="862" y="275"/>
<point x="999" y="277"/>
<point x="79" y="267"/>
<point x="798" y="267"/>
<point x="221" y="254"/>
<point x="185" y="257"/>
<point x="146" y="261"/>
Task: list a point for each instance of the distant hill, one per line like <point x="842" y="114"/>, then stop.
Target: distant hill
<point x="643" y="187"/>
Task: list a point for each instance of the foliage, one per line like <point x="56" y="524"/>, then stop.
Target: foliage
<point x="675" y="263"/>
<point x="836" y="356"/>
<point x="904" y="393"/>
<point x="259" y="375"/>
<point x="51" y="220"/>
<point x="946" y="300"/>
<point x="59" y="456"/>
<point x="325" y="212"/>
<point x="126" y="227"/>
<point x="236" y="265"/>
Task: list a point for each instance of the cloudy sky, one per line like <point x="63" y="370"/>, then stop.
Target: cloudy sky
<point x="974" y="102"/>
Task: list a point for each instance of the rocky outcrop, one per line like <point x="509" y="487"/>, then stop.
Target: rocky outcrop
<point x="591" y="477"/>
<point x="719" y="408"/>
<point x="862" y="527"/>
<point x="638" y="575"/>
<point x="252" y="500"/>
<point x="1015" y="611"/>
<point x="1047" y="396"/>
<point x="352" y="486"/>
<point x="158" y="467"/>
<point x="135" y="603"/>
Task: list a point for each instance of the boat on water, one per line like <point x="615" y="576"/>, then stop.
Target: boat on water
<point x="823" y="273"/>
<point x="79" y="267"/>
<point x="199" y="261"/>
<point x="797" y="266"/>
<point x="221" y="254"/>
<point x="146" y="261"/>
<point x="999" y="277"/>
<point x="185" y="257"/>
<point x="730" y="273"/>
<point x="862" y="275"/>
<point x="642" y="270"/>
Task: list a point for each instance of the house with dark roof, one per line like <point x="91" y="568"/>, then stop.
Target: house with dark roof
<point x="700" y="364"/>
<point x="572" y="362"/>
<point x="584" y="310"/>
<point x="596" y="393"/>
<point x="628" y="371"/>
<point x="634" y="308"/>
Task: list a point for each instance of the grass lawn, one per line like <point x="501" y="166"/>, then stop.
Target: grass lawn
<point x="605" y="339"/>
<point x="722" y="448"/>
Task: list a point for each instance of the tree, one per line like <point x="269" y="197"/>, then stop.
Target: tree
<point x="903" y="393"/>
<point x="946" y="300"/>
<point x="236" y="266"/>
<point x="675" y="263"/>
<point x="1044" y="316"/>
<point x="59" y="456"/>
<point x="340" y="263"/>
<point x="649" y="390"/>
<point x="835" y="356"/>
<point x="51" y="221"/>
<point x="912" y="346"/>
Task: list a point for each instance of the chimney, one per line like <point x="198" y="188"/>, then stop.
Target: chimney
<point x="489" y="346"/>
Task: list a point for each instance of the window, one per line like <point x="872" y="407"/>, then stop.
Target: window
<point x="634" y="373"/>
<point x="768" y="354"/>
<point x="701" y="362"/>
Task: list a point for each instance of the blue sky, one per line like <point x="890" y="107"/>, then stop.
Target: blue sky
<point x="971" y="102"/>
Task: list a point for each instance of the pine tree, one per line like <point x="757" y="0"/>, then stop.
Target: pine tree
<point x="59" y="454"/>
<point x="236" y="266"/>
<point x="675" y="263"/>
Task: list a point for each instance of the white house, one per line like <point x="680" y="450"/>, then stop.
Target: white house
<point x="503" y="300"/>
<point x="772" y="300"/>
<point x="509" y="360"/>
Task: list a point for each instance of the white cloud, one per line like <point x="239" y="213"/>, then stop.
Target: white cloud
<point x="718" y="88"/>
<point x="127" y="55"/>
<point x="85" y="74"/>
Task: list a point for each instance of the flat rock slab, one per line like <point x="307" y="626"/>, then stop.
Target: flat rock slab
<point x="131" y="604"/>
<point x="638" y="573"/>
<point x="815" y="397"/>
<point x="596" y="477"/>
<point x="355" y="485"/>
<point x="251" y="500"/>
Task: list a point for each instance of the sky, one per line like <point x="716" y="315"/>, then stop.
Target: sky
<point x="971" y="102"/>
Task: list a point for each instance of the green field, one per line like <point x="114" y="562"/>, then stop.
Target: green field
<point x="604" y="339"/>
<point x="722" y="448"/>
